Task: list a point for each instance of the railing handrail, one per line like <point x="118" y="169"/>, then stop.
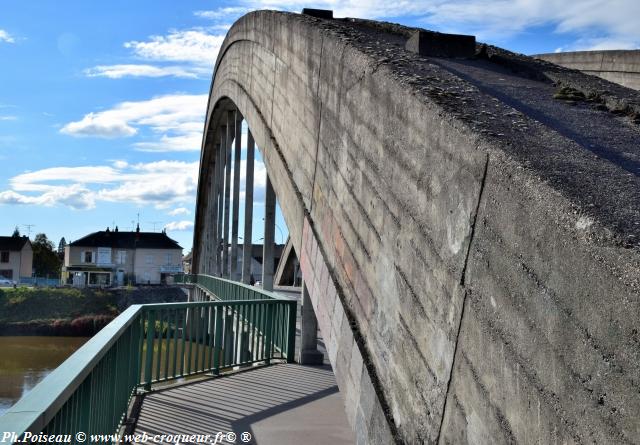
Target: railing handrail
<point x="40" y="405"/>
<point x="215" y="303"/>
<point x="266" y="293"/>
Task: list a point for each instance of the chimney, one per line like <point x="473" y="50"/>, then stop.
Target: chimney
<point x="138" y="228"/>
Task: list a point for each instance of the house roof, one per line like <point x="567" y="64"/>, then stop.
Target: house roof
<point x="127" y="240"/>
<point x="13" y="242"/>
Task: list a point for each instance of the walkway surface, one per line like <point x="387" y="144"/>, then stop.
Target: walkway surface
<point x="279" y="404"/>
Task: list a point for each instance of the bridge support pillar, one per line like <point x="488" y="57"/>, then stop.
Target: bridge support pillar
<point x="269" y="235"/>
<point x="220" y="198"/>
<point x="309" y="354"/>
<point x="247" y="251"/>
<point x="227" y="194"/>
<point x="235" y="211"/>
<point x="213" y="249"/>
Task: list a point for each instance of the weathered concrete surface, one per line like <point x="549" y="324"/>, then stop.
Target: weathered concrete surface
<point x="473" y="263"/>
<point x="619" y="66"/>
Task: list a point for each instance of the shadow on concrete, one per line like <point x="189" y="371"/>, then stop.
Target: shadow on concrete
<point x="278" y="404"/>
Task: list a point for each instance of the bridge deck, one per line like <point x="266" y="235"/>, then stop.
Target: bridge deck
<point x="279" y="404"/>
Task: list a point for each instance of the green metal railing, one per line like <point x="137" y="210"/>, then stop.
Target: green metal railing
<point x="150" y="344"/>
<point x="225" y="289"/>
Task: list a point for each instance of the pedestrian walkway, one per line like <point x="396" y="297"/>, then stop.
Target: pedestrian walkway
<point x="279" y="404"/>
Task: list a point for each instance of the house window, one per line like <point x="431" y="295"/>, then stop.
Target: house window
<point x="4" y="256"/>
<point x="88" y="257"/>
<point x="169" y="258"/>
<point x="121" y="257"/>
<point x="149" y="259"/>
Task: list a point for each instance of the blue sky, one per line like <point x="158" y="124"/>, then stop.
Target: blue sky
<point x="102" y="103"/>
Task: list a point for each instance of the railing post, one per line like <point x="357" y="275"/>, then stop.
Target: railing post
<point x="151" y="334"/>
<point x="228" y="338"/>
<point x="269" y="334"/>
<point x="291" y="331"/>
<point x="217" y="341"/>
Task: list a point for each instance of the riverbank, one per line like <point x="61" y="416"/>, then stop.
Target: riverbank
<point x="59" y="312"/>
<point x="72" y="312"/>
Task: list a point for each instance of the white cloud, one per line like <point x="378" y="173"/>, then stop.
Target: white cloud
<point x="74" y="196"/>
<point x="179" y="211"/>
<point x="6" y="37"/>
<point x="600" y="23"/>
<point x="179" y="226"/>
<point x="101" y="124"/>
<point x="190" y="52"/>
<point x="8" y="118"/>
<point x="176" y="119"/>
<point x="162" y="184"/>
<point x="500" y="18"/>
<point x="192" y="45"/>
<point x="223" y="13"/>
<point x="187" y="142"/>
<point x="134" y="70"/>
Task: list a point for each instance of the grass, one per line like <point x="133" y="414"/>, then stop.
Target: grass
<point x="25" y="305"/>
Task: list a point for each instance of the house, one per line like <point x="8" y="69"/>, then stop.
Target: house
<point x="186" y="263"/>
<point x="115" y="258"/>
<point x="16" y="257"/>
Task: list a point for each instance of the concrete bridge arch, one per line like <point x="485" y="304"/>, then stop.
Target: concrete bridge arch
<point x="459" y="288"/>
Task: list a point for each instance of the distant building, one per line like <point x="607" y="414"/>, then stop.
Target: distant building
<point x="16" y="257"/>
<point x="255" y="268"/>
<point x="114" y="258"/>
<point x="186" y="263"/>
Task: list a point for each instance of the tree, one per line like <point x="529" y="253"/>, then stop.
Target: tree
<point x="45" y="258"/>
<point x="61" y="245"/>
<point x="16" y="232"/>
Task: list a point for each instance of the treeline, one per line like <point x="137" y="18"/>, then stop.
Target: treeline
<point x="47" y="260"/>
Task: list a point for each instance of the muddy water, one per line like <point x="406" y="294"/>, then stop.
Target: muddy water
<point x="25" y="361"/>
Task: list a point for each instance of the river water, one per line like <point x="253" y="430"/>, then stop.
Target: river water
<point x="25" y="361"/>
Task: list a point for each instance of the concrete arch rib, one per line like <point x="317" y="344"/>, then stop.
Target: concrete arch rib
<point x="396" y="208"/>
<point x="289" y="78"/>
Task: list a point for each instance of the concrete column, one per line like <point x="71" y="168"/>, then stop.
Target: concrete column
<point x="208" y="222"/>
<point x="234" y="275"/>
<point x="222" y="151"/>
<point x="247" y="250"/>
<point x="269" y="234"/>
<point x="309" y="354"/>
<point x="227" y="196"/>
<point x="214" y="210"/>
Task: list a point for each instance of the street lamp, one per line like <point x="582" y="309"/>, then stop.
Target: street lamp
<point x="279" y="230"/>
